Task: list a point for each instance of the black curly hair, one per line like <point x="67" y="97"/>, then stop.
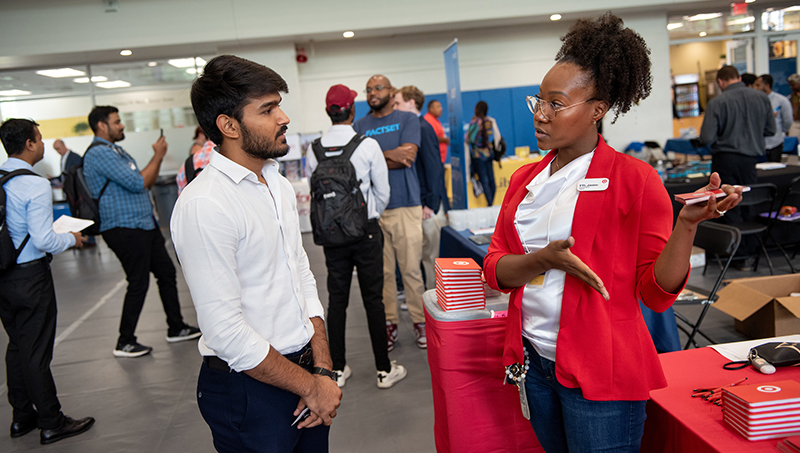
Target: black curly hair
<point x="617" y="59"/>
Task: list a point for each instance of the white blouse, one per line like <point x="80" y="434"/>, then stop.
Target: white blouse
<point x="545" y="215"/>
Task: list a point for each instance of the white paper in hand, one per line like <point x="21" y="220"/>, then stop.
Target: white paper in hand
<point x="67" y="224"/>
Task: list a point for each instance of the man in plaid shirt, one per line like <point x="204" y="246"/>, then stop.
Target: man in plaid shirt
<point x="130" y="229"/>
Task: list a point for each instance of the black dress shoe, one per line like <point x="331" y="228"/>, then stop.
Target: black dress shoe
<point x="19" y="429"/>
<point x="68" y="428"/>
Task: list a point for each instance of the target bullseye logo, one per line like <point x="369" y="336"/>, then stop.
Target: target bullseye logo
<point x="461" y="263"/>
<point x="768" y="388"/>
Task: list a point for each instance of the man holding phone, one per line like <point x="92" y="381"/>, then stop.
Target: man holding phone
<point x="130" y="229"/>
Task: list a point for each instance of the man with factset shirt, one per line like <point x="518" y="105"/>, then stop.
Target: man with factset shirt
<point x="398" y="133"/>
<point x="237" y="234"/>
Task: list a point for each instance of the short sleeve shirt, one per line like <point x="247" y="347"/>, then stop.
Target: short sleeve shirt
<point x="390" y="132"/>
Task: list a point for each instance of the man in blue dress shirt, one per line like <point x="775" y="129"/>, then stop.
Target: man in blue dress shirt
<point x="27" y="295"/>
<point x="130" y="229"/>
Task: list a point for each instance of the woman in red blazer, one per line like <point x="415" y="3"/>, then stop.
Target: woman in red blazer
<point x="575" y="329"/>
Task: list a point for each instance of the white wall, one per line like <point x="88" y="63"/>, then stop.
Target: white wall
<point x="40" y="27"/>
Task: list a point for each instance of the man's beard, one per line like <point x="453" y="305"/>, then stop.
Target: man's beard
<point x="260" y="147"/>
<point x="120" y="137"/>
<point x="379" y="107"/>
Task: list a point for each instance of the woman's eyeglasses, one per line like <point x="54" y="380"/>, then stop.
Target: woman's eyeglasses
<point x="548" y="109"/>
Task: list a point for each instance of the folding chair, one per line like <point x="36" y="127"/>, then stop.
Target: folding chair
<point x="759" y="199"/>
<point x="721" y="240"/>
<point x="790" y="198"/>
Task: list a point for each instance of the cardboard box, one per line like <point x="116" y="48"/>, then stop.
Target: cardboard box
<point x="762" y="306"/>
<point x="698" y="257"/>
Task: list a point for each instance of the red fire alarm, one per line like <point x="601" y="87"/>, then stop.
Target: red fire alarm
<point x="301" y="55"/>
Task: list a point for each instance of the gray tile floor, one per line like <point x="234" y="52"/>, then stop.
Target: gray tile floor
<point x="148" y="404"/>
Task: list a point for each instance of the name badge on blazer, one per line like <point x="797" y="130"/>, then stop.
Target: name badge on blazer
<point x="593" y="185"/>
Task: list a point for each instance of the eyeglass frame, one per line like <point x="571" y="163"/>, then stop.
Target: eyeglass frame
<point x="369" y="90"/>
<point x="538" y="100"/>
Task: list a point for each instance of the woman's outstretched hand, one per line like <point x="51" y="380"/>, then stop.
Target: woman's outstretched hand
<point x="558" y="256"/>
<point x="696" y="213"/>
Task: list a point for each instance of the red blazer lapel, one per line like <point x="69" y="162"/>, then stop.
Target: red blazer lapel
<point x="586" y="222"/>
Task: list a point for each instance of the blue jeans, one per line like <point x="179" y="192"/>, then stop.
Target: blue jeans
<point x="484" y="167"/>
<point x="246" y="415"/>
<point x="565" y="421"/>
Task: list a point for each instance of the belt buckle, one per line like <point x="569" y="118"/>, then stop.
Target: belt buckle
<point x="305" y="357"/>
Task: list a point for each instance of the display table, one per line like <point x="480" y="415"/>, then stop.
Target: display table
<point x="678" y="423"/>
<point x="685" y="146"/>
<point x="473" y="410"/>
<point x="662" y="326"/>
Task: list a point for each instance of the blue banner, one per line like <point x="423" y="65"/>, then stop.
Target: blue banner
<point x="458" y="170"/>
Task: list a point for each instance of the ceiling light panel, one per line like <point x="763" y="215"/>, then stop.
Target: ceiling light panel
<point x="59" y="73"/>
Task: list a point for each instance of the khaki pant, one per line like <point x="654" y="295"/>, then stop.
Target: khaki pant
<point x="402" y="240"/>
<point x="431" y="233"/>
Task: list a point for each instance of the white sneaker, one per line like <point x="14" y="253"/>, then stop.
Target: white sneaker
<point x="386" y="380"/>
<point x="342" y="375"/>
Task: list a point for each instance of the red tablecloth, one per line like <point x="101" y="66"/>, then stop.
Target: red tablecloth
<point x="678" y="423"/>
<point x="473" y="410"/>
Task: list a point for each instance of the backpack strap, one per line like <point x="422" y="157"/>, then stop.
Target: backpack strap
<point x="95" y="145"/>
<point x="188" y="169"/>
<point x="7" y="175"/>
<point x="347" y="150"/>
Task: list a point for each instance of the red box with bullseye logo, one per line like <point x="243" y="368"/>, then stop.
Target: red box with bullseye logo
<point x="459" y="285"/>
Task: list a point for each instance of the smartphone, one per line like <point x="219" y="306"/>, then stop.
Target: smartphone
<point x="162" y="132"/>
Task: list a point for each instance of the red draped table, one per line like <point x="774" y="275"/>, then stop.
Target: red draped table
<point x="678" y="423"/>
<point x="473" y="410"/>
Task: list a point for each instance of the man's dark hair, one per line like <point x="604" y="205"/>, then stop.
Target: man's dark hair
<point x="100" y="113"/>
<point x="749" y="79"/>
<point x="15" y="132"/>
<point x="727" y="73"/>
<point x="766" y="78"/>
<point x="339" y="115"/>
<point x="227" y="85"/>
<point x="430" y="103"/>
<point x="616" y="58"/>
<point x="481" y="109"/>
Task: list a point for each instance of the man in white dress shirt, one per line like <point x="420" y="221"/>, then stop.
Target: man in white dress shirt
<point x="236" y="234"/>
<point x="367" y="253"/>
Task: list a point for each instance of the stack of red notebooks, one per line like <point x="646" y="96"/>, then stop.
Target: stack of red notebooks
<point x="789" y="445"/>
<point x="763" y="411"/>
<point x="459" y="285"/>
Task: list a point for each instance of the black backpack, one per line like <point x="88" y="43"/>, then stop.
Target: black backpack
<point x="338" y="209"/>
<point x="81" y="203"/>
<point x="499" y="150"/>
<point x="189" y="171"/>
<point x="8" y="253"/>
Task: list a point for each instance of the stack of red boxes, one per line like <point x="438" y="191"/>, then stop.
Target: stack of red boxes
<point x="763" y="411"/>
<point x="459" y="285"/>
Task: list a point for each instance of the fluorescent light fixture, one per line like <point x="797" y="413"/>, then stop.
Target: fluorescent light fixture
<point x="348" y="34"/>
<point x="707" y="16"/>
<point x="702" y="33"/>
<point x="14" y="93"/>
<point x="114" y="84"/>
<point x="187" y="62"/>
<point x="191" y="71"/>
<point x="674" y="25"/>
<point x="59" y="73"/>
<point x="742" y="21"/>
<point x="791" y="8"/>
<point x="94" y="79"/>
<point x="749" y="1"/>
<point x="152" y="64"/>
<point x="126" y="53"/>
<point x="555" y="17"/>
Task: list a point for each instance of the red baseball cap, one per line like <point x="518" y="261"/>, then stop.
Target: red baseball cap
<point x="340" y="96"/>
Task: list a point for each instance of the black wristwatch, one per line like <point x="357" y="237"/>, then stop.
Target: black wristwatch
<point x="323" y="371"/>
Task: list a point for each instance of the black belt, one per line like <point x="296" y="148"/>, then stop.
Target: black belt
<point x="303" y="357"/>
<point x="38" y="262"/>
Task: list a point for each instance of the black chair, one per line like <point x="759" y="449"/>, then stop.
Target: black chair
<point x="759" y="199"/>
<point x="720" y="240"/>
<point x="790" y="198"/>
